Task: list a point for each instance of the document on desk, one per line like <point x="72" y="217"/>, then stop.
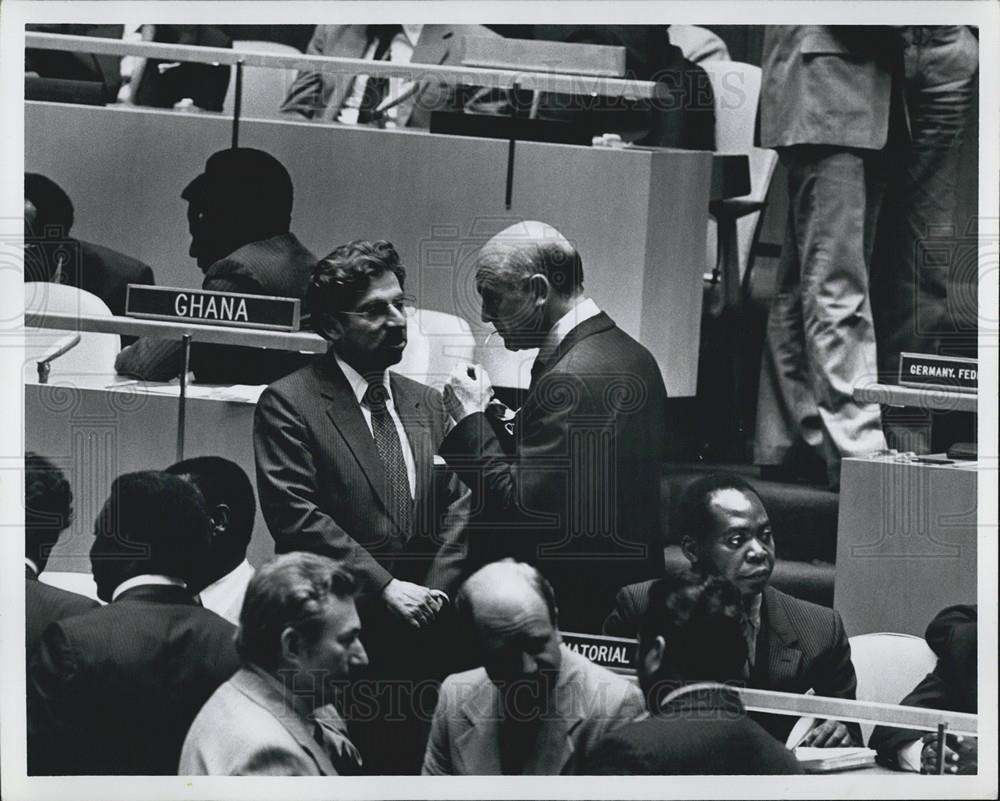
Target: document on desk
<point x="235" y="393"/>
<point x="830" y="760"/>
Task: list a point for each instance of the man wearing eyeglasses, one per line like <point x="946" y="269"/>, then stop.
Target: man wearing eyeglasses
<point x="345" y="468"/>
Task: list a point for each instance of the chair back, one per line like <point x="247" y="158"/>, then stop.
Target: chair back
<point x="96" y="352"/>
<point x="737" y="90"/>
<point x="888" y="667"/>
<point x="264" y="88"/>
<point x="436" y="342"/>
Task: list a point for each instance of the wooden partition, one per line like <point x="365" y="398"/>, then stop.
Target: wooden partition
<point x="637" y="216"/>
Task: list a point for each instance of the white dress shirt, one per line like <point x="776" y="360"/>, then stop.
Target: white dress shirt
<point x="583" y="309"/>
<point x="400" y="52"/>
<point x="146" y="579"/>
<point x="360" y="387"/>
<point x="225" y="596"/>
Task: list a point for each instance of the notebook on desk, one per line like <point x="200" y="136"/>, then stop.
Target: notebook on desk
<point x="830" y="760"/>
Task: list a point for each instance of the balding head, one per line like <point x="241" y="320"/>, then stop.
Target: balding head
<point x="528" y="276"/>
<point x="512" y="612"/>
<point x="528" y="248"/>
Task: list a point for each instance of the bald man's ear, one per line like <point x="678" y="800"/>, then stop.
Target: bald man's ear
<point x="221" y="515"/>
<point x="540" y="289"/>
<point x="653" y="658"/>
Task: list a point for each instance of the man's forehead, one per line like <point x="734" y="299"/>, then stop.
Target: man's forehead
<point x="382" y="287"/>
<point x="731" y="505"/>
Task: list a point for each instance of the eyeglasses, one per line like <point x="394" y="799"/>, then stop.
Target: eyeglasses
<point x="379" y="310"/>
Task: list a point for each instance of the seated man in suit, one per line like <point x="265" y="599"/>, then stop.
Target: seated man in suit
<point x="48" y="510"/>
<point x="952" y="685"/>
<point x="239" y="213"/>
<point x="701" y="729"/>
<point x="374" y="100"/>
<point x="228" y="494"/>
<point x="132" y="79"/>
<point x="113" y="691"/>
<point x="794" y="645"/>
<point x="52" y="255"/>
<point x="535" y="706"/>
<point x="299" y="643"/>
<point x="345" y="468"/>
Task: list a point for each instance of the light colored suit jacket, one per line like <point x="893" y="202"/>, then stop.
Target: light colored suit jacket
<point x="320" y="95"/>
<point x="247" y="729"/>
<point x="465" y="734"/>
<point x="828" y="85"/>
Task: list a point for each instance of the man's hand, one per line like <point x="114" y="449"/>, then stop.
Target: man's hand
<point x="961" y="754"/>
<point x="415" y="604"/>
<point x="829" y="734"/>
<point x="468" y="391"/>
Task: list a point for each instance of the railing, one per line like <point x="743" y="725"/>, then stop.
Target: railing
<point x="452" y="75"/>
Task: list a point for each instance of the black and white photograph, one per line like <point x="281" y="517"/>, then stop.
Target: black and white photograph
<point x="578" y="398"/>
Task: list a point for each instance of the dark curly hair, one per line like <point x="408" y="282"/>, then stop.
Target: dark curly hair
<point x="702" y="620"/>
<point x="342" y="277"/>
<point x="48" y="507"/>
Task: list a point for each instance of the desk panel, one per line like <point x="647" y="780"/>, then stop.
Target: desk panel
<point x="638" y="217"/>
<point x="906" y="543"/>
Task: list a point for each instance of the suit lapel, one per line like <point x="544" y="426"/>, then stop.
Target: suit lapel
<point x="345" y="414"/>
<point x="554" y="748"/>
<point x="264" y="692"/>
<point x="783" y="657"/>
<point x="478" y="747"/>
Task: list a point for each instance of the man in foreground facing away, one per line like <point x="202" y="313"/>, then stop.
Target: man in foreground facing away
<point x="954" y="636"/>
<point x="690" y="645"/>
<point x="793" y="645"/>
<point x="576" y="490"/>
<point x="534" y="707"/>
<point x="113" y="691"/>
<point x="299" y="642"/>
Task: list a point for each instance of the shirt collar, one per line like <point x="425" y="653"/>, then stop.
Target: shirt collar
<point x="413" y="33"/>
<point x="147" y="579"/>
<point x="359" y="384"/>
<point x="239" y="571"/>
<point x="33" y="567"/>
<point x="582" y="309"/>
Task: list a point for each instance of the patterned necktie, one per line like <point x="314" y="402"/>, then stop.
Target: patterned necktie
<point x="390" y="451"/>
<point x="377" y="86"/>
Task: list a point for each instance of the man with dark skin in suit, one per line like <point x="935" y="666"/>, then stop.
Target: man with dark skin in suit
<point x="793" y="645"/>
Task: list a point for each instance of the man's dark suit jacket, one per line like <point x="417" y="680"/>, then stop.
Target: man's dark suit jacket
<point x="579" y="495"/>
<point x="700" y="733"/>
<point x="113" y="691"/>
<point x="205" y="84"/>
<point x="800" y="645"/>
<point x="322" y="486"/>
<point x="44" y="604"/>
<point x="952" y="685"/>
<point x="280" y="266"/>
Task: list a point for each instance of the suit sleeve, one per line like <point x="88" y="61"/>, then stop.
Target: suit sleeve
<point x="304" y="96"/>
<point x="437" y="757"/>
<point x="151" y="359"/>
<point x="289" y="492"/>
<point x="532" y="487"/>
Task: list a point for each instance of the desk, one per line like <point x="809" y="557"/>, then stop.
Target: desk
<point x="638" y="217"/>
<point x="906" y="543"/>
<point x="100" y="426"/>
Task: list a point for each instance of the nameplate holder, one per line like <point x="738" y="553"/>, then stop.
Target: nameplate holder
<point x="614" y="653"/>
<point x="203" y="307"/>
<point x="927" y="371"/>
